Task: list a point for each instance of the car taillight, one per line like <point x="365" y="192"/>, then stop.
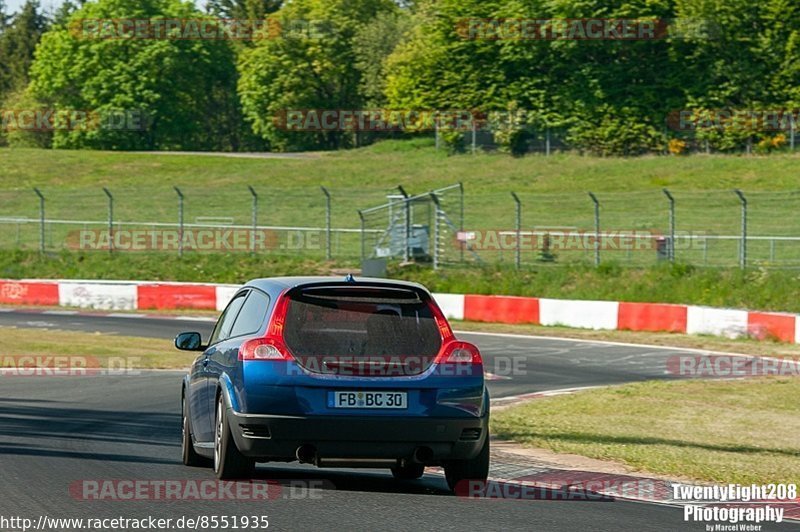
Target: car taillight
<point x="271" y="346"/>
<point x="441" y="322"/>
<point x="461" y="353"/>
<point x="264" y="349"/>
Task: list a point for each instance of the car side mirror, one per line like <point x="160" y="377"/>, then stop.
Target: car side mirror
<point x="189" y="341"/>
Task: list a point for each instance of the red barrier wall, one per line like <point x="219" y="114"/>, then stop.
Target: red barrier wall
<point x="21" y="292"/>
<point x="763" y="325"/>
<point x="651" y="317"/>
<point x="502" y="309"/>
<point x="164" y="296"/>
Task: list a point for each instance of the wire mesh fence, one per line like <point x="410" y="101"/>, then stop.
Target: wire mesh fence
<point x="442" y="227"/>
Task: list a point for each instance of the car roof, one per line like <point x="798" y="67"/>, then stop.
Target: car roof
<point x="269" y="284"/>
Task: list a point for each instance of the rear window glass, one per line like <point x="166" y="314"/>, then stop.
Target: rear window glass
<point x="361" y="323"/>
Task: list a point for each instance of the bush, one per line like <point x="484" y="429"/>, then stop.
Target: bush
<point x="615" y="132"/>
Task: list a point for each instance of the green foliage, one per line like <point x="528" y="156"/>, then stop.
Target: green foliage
<point x="313" y="69"/>
<point x="609" y="97"/>
<point x="22" y="138"/>
<point x="372" y="44"/>
<point x="18" y="41"/>
<point x="611" y="131"/>
<point x="453" y="141"/>
<point x="510" y="129"/>
<point x="242" y="9"/>
<point x="184" y="88"/>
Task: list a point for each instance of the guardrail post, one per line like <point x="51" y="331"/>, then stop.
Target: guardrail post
<point x="671" y="249"/>
<point x="254" y="219"/>
<point x="518" y="253"/>
<point x="596" y="229"/>
<point x="180" y="221"/>
<point x="743" y="247"/>
<point x="327" y="222"/>
<point x="41" y="219"/>
<point x="110" y="220"/>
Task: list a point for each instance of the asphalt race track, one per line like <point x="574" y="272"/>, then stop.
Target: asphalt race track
<point x="58" y="431"/>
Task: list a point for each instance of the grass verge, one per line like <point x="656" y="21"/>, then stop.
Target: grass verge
<point x="98" y="349"/>
<point x="732" y="431"/>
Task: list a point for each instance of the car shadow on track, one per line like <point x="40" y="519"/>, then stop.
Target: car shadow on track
<point x="358" y="480"/>
<point x="43" y="428"/>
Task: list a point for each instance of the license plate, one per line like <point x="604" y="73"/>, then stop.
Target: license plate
<point x="382" y="400"/>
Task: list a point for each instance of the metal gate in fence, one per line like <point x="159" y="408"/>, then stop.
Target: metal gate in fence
<point x="420" y="228"/>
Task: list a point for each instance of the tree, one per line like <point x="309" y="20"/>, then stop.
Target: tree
<point x="451" y="60"/>
<point x="751" y="63"/>
<point x="310" y="65"/>
<point x="182" y="89"/>
<point x="18" y="42"/>
<point x="242" y="9"/>
<point x="372" y="44"/>
<point x="4" y="16"/>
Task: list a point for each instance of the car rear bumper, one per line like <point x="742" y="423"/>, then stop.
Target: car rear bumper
<point x="360" y="437"/>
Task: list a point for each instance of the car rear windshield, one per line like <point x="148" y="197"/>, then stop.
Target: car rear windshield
<point x="361" y="322"/>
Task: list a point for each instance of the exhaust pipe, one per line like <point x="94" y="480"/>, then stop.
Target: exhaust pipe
<point x="306" y="454"/>
<point x="423" y="455"/>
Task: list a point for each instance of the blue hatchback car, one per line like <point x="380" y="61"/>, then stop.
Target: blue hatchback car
<point x="336" y="373"/>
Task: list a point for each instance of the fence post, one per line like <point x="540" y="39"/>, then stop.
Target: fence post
<point x="327" y="222"/>
<point x="407" y="223"/>
<point x="461" y="216"/>
<point x="435" y="232"/>
<point x="547" y="141"/>
<point x="596" y="229"/>
<point x="671" y="248"/>
<point x="254" y="219"/>
<point x="180" y="221"/>
<point x="41" y="219"/>
<point x="363" y="236"/>
<point x="110" y="220"/>
<point x="743" y="247"/>
<point x="518" y="203"/>
<point x="474" y="136"/>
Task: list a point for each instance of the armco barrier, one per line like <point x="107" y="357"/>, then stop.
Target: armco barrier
<point x="609" y="315"/>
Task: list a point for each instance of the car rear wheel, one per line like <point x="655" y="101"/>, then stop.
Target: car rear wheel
<point x="190" y="456"/>
<point x="229" y="463"/>
<point x="408" y="472"/>
<point x="477" y="469"/>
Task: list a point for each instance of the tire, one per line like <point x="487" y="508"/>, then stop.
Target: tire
<point x="409" y="472"/>
<point x="190" y="456"/>
<point x="229" y="463"/>
<point x="457" y="471"/>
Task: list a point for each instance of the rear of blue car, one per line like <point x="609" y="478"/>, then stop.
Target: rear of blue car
<point x="357" y="374"/>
